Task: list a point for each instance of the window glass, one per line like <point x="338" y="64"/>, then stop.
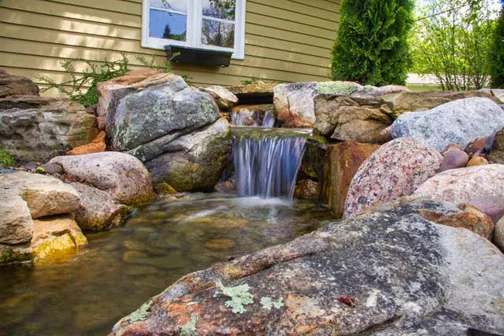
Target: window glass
<point x="218" y="33"/>
<point x="167" y="25"/>
<point x="220" y="9"/>
<point x="172" y="5"/>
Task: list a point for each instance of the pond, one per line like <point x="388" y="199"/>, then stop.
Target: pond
<point x="86" y="292"/>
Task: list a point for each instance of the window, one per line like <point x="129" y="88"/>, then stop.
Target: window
<point x="206" y="24"/>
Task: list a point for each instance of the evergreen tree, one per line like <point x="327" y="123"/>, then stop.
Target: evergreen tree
<point x="497" y="54"/>
<point x="372" y="44"/>
<point x="167" y="32"/>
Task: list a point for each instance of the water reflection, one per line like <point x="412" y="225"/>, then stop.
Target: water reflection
<point x="87" y="292"/>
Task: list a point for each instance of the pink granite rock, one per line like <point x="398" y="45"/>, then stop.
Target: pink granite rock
<point x="464" y="184"/>
<point x="393" y="171"/>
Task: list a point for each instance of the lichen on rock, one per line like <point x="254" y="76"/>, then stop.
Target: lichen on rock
<point x="239" y="295"/>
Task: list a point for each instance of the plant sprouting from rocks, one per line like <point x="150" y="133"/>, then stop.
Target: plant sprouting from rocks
<point x="189" y="329"/>
<point x="6" y="159"/>
<point x="239" y="296"/>
<point x="268" y="303"/>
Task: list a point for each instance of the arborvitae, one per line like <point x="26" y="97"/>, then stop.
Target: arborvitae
<point x="497" y="54"/>
<point x="372" y="44"/>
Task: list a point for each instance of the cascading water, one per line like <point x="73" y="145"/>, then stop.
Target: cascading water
<point x="266" y="162"/>
<point x="252" y="118"/>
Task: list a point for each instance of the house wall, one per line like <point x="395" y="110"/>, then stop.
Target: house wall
<point x="286" y="40"/>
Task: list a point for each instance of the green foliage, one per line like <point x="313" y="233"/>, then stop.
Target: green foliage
<point x="452" y="41"/>
<point x="40" y="169"/>
<point x="75" y="88"/>
<point x="189" y="329"/>
<point x="253" y="80"/>
<point x="151" y="62"/>
<point x="6" y="159"/>
<point x="497" y="54"/>
<point x="239" y="295"/>
<point x="372" y="44"/>
<point x="268" y="303"/>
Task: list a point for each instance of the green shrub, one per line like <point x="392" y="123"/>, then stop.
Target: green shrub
<point x="75" y="88"/>
<point x="497" y="54"/>
<point x="6" y="159"/>
<point x="372" y="43"/>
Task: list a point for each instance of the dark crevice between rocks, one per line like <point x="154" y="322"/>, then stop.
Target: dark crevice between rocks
<point x="379" y="327"/>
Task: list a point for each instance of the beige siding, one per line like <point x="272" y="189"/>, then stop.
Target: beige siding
<point x="286" y="40"/>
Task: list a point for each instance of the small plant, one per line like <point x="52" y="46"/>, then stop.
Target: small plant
<point x="239" y="295"/>
<point x="6" y="159"/>
<point x="75" y="88"/>
<point x="253" y="80"/>
<point x="40" y="169"/>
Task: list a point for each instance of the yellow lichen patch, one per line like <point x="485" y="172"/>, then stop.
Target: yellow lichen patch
<point x="54" y="247"/>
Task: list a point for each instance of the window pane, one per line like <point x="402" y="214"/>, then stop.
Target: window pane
<point x="217" y="33"/>
<point x="174" y="5"/>
<point x="167" y="25"/>
<point x="220" y="9"/>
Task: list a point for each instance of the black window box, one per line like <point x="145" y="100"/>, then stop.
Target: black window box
<point x="196" y="56"/>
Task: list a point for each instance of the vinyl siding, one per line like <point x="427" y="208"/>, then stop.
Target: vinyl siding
<point x="285" y="40"/>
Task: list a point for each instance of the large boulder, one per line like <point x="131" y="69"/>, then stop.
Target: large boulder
<point x="401" y="102"/>
<point x="341" y="163"/>
<point x="11" y="85"/>
<point x="379" y="274"/>
<point x="458" y="122"/>
<point x="397" y="169"/>
<point x="224" y="98"/>
<point x="98" y="211"/>
<point x="464" y="185"/>
<point x="330" y="106"/>
<point x="38" y="128"/>
<point x="194" y="161"/>
<point x="254" y="93"/>
<point x="156" y="117"/>
<point x="121" y="175"/>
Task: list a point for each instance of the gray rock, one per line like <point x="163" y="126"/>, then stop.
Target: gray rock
<point x="36" y="128"/>
<point x="379" y="274"/>
<point x="499" y="234"/>
<point x="149" y="114"/>
<point x="194" y="161"/>
<point x="121" y="175"/>
<point x="224" y="98"/>
<point x="98" y="211"/>
<point x="459" y="122"/>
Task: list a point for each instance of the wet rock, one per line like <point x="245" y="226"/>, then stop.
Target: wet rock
<point x="312" y="164"/>
<point x="96" y="146"/>
<point x="491" y="205"/>
<point x="464" y="184"/>
<point x="454" y="158"/>
<point x="194" y="161"/>
<point x="54" y="235"/>
<point x="98" y="211"/>
<point x="253" y="115"/>
<point x="39" y="128"/>
<point x="477" y="161"/>
<point x="121" y="175"/>
<point x="459" y="122"/>
<point x="342" y="162"/>
<point x="307" y="189"/>
<point x="225" y="187"/>
<point x="401" y="274"/>
<point x="224" y="98"/>
<point x="44" y="195"/>
<point x="397" y="169"/>
<point x="11" y="85"/>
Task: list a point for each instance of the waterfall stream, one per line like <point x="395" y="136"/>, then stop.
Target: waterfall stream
<point x="266" y="161"/>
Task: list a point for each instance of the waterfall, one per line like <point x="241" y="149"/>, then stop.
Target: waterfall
<point x="266" y="164"/>
<point x="252" y="118"/>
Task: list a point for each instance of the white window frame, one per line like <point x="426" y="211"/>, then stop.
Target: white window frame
<point x="194" y="25"/>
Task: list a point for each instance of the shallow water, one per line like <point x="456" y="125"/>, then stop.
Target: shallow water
<point x="86" y="292"/>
